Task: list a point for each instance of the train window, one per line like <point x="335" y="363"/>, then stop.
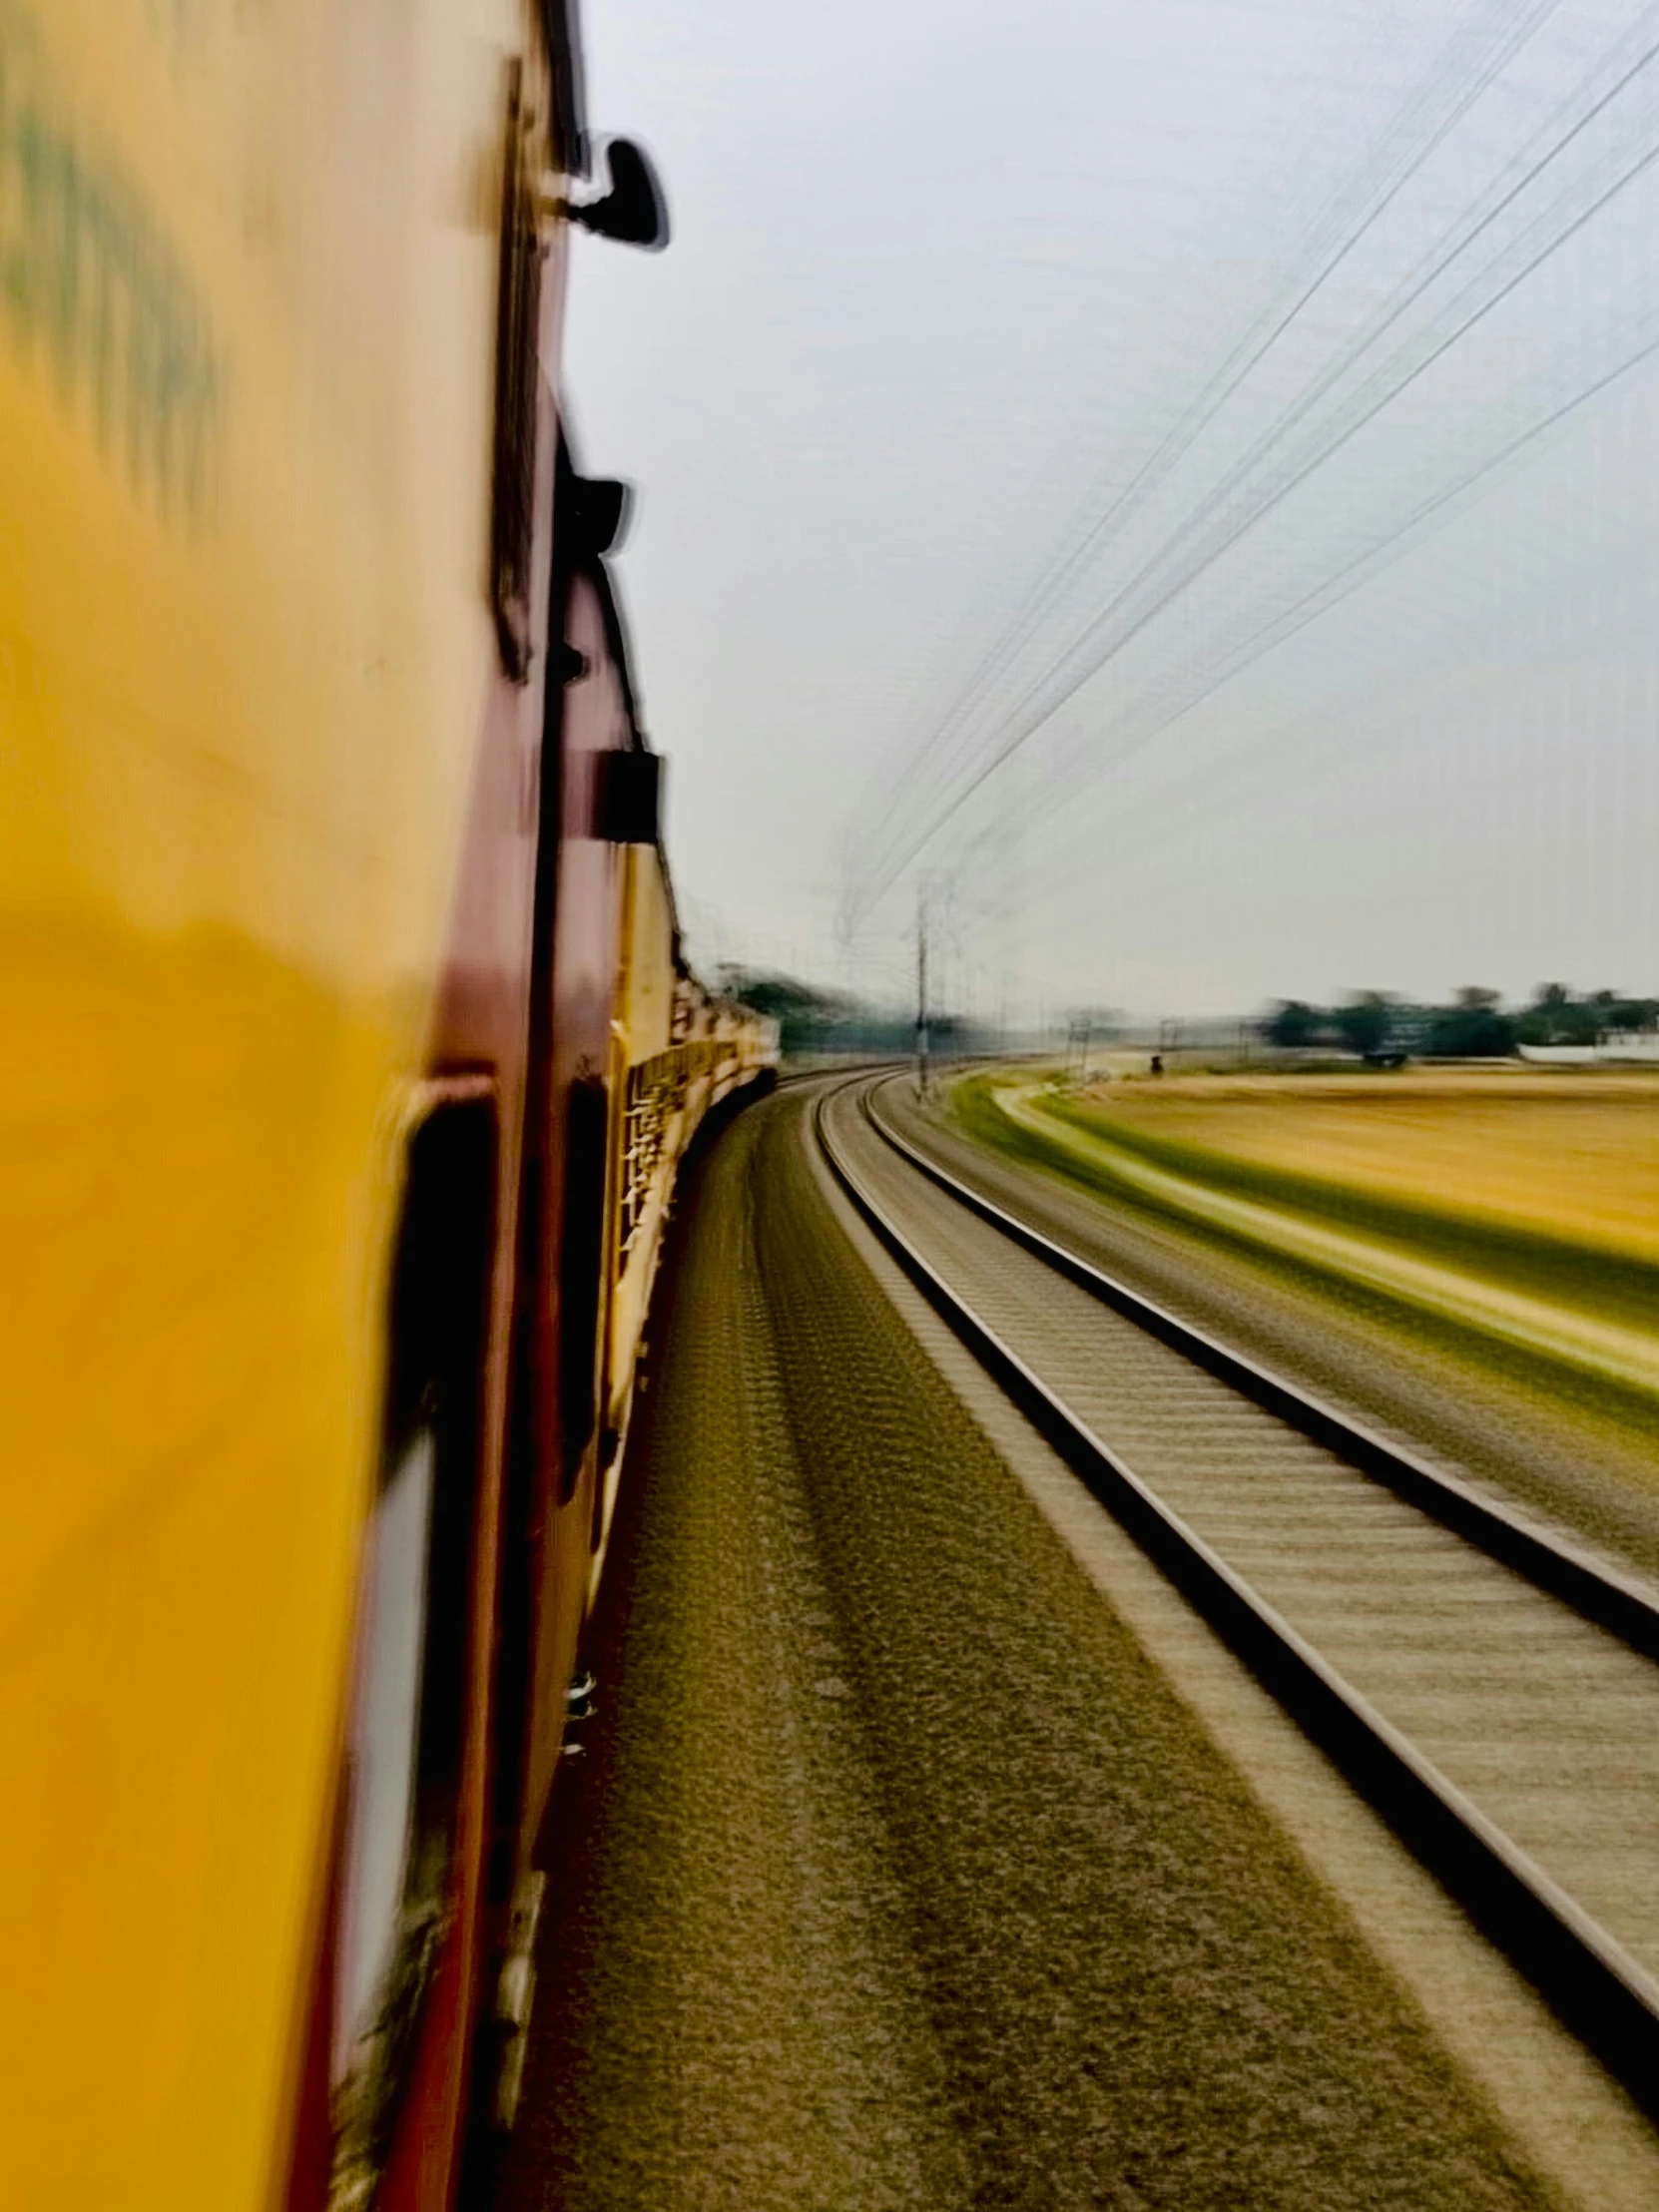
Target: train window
<point x="408" y="1725"/>
<point x="385" y="1724"/>
<point x="582" y="1269"/>
<point x="628" y="797"/>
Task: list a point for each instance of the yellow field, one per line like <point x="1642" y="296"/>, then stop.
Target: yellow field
<point x="1577" y="1154"/>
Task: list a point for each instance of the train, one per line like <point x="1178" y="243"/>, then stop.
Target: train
<point x="352" y="1057"/>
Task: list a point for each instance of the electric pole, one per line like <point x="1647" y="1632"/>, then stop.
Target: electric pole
<point x="921" y="988"/>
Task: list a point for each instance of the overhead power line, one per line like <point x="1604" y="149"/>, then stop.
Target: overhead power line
<point x="1439" y="99"/>
<point x="1233" y="507"/>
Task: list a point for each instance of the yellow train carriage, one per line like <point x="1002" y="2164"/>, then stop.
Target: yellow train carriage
<point x="678" y="1053"/>
<point x="348" y="1058"/>
<point x="249" y="275"/>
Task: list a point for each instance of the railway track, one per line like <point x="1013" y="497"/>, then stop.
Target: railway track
<point x="1490" y="1688"/>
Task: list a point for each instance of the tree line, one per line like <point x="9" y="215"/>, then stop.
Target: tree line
<point x="810" y="1019"/>
<point x="1475" y="1025"/>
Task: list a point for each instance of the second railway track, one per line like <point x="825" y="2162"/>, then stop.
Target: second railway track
<point x="1492" y="1689"/>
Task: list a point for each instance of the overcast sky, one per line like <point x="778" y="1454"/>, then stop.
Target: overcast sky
<point x="1233" y="419"/>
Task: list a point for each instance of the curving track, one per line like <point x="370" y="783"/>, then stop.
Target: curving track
<point x="896" y="1871"/>
<point x="1490" y="1686"/>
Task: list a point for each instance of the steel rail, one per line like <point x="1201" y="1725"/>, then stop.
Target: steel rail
<point x="1590" y="1981"/>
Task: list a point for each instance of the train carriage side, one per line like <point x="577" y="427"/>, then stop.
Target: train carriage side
<point x="678" y="1053"/>
<point x="332" y="939"/>
<point x="542" y="1383"/>
<point x="278" y="332"/>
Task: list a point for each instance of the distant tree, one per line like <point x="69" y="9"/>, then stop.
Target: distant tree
<point x="1556" y="1016"/>
<point x="1294" y="1024"/>
<point x="1617" y="1011"/>
<point x="1365" y="1022"/>
<point x="806" y="1016"/>
<point x="1475" y="1027"/>
<point x="1377" y="1025"/>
